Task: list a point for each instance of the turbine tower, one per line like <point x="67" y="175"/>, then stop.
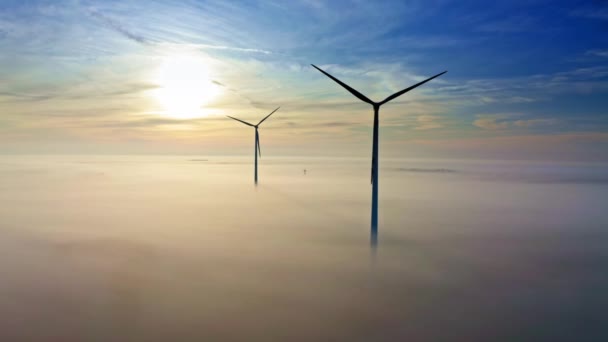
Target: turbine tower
<point x="257" y="149"/>
<point x="376" y="106"/>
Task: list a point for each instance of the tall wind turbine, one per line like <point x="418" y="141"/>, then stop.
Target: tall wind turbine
<point x="376" y="106"/>
<point x="257" y="150"/>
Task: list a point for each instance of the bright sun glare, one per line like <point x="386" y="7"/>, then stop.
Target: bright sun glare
<point x="185" y="87"/>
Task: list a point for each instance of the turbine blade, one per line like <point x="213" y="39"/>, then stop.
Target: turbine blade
<point x="257" y="136"/>
<point x="246" y="123"/>
<point x="351" y="90"/>
<point x="399" y="93"/>
<point x="268" y="116"/>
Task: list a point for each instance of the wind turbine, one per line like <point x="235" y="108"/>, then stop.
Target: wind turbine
<point x="376" y="106"/>
<point x="257" y="150"/>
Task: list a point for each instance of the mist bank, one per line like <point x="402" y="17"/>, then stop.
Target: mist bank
<point x="151" y="248"/>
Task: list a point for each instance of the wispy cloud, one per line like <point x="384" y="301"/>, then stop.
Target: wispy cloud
<point x="493" y="121"/>
<point x="429" y="42"/>
<point x="536" y="122"/>
<point x="599" y="12"/>
<point x="426" y="122"/>
<point x="119" y="27"/>
<point x="507" y="121"/>
<point x="521" y="23"/>
<point x="9" y="95"/>
<point x="231" y="48"/>
<point x="527" y="89"/>
<point x="598" y="53"/>
<point x="207" y="47"/>
<point x="75" y="93"/>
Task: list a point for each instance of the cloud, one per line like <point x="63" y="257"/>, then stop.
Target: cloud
<point x="492" y="121"/>
<point x="526" y="89"/>
<point x="582" y="73"/>
<point x="75" y="93"/>
<point x="591" y="13"/>
<point x="520" y="99"/>
<point x="429" y="42"/>
<point x="597" y="53"/>
<point x="24" y="96"/>
<point x="424" y="170"/>
<point x="508" y="25"/>
<point x="337" y="124"/>
<point x="505" y="121"/>
<point x="426" y="122"/>
<point x="282" y="123"/>
<point x="6" y="27"/>
<point x="118" y="27"/>
<point x="193" y="46"/>
<point x="230" y="48"/>
<point x="535" y="122"/>
<point x="151" y="121"/>
<point x="317" y="4"/>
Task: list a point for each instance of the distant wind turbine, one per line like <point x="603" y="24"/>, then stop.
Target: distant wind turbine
<point x="258" y="150"/>
<point x="376" y="105"/>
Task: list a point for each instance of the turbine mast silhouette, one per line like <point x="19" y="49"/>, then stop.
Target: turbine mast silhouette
<point x="374" y="175"/>
<point x="257" y="150"/>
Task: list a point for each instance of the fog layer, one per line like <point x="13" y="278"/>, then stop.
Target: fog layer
<point x="178" y="248"/>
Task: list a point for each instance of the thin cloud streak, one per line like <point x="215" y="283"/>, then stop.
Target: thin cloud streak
<point x="118" y="27"/>
<point x="231" y="48"/>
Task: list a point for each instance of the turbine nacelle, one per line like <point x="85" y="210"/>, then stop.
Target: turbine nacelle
<point x="252" y="125"/>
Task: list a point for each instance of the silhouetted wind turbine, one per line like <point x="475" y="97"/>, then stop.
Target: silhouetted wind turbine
<point x="376" y="105"/>
<point x="257" y="150"/>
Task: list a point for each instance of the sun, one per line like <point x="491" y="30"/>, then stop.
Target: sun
<point x="185" y="87"/>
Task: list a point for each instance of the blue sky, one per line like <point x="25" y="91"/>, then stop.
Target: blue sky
<point x="526" y="80"/>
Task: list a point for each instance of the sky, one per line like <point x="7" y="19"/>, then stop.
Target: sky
<point x="526" y="79"/>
